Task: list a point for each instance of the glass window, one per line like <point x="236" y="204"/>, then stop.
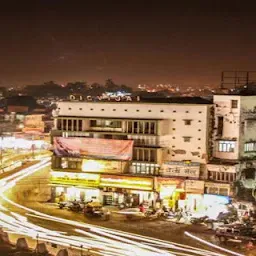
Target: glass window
<point x="80" y="125"/>
<point x="250" y="147"/>
<point x="75" y="125"/>
<point x="64" y="125"/>
<point x="234" y="103"/>
<point x="226" y="146"/>
<point x="59" y="124"/>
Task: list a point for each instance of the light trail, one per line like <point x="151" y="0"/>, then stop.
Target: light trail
<point x="213" y="245"/>
<point x="99" y="240"/>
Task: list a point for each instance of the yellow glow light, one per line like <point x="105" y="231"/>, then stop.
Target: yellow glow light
<point x="92" y="166"/>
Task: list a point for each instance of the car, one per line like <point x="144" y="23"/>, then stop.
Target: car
<point x="236" y="233"/>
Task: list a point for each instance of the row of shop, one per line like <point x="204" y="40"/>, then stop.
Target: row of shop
<point x="116" y="189"/>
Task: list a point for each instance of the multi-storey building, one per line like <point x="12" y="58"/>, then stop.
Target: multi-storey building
<point x="234" y="148"/>
<point x="118" y="152"/>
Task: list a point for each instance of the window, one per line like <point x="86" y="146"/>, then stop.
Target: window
<point x="174" y="111"/>
<point x="220" y="126"/>
<point x="138" y="110"/>
<point x="187" y="111"/>
<point x="173" y="129"/>
<point x="80" y="125"/>
<point x="69" y="108"/>
<point x="80" y="109"/>
<point x="187" y="138"/>
<point x="187" y="121"/>
<point x="222" y="176"/>
<point x="199" y="130"/>
<point x="234" y="103"/>
<point x="91" y="109"/>
<point x="125" y="110"/>
<point x="250" y="147"/>
<point x="226" y="146"/>
<point x="114" y="109"/>
<point x="102" y="109"/>
<point x="161" y="111"/>
<point x="200" y="112"/>
<point x="59" y="124"/>
<point x="150" y="111"/>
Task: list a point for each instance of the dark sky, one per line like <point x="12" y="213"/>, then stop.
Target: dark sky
<point x="131" y="42"/>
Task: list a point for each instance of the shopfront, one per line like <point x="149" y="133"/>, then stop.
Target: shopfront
<point x="126" y="189"/>
<point x="75" y="186"/>
<point x="194" y="195"/>
<point x="170" y="191"/>
<point x="218" y="188"/>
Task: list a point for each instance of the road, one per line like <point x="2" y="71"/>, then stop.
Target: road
<point x="24" y="221"/>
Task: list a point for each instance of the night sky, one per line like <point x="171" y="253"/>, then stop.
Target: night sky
<point x="131" y="42"/>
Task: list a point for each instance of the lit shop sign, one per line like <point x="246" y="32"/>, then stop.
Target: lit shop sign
<point x="126" y="182"/>
<point x="194" y="186"/>
<point x="169" y="182"/>
<point x="103" y="98"/>
<point x="101" y="166"/>
<point x="75" y="179"/>
<point x="190" y="170"/>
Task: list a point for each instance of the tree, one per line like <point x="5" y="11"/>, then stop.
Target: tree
<point x="76" y="87"/>
<point x="111" y="86"/>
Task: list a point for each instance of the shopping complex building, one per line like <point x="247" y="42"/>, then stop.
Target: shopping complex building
<point x="177" y="151"/>
<point x="139" y="151"/>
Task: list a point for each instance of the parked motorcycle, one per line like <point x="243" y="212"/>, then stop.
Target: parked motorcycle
<point x="198" y="220"/>
<point x="76" y="206"/>
<point x="96" y="210"/>
<point x="62" y="205"/>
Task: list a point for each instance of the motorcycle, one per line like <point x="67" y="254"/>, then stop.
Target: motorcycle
<point x="76" y="206"/>
<point x="198" y="220"/>
<point x="62" y="205"/>
<point x="96" y="210"/>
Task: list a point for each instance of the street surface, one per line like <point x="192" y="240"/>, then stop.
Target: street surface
<point x="114" y="238"/>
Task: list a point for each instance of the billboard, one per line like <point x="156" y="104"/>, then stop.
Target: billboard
<point x="93" y="148"/>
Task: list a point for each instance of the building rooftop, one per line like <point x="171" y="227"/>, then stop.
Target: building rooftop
<point x="177" y="100"/>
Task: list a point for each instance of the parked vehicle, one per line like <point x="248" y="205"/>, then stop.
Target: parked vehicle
<point x="62" y="205"/>
<point x="222" y="218"/>
<point x="76" y="206"/>
<point x="96" y="210"/>
<point x="236" y="232"/>
<point x="198" y="219"/>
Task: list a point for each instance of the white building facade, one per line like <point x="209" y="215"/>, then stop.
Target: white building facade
<point x="234" y="147"/>
<point x="171" y="143"/>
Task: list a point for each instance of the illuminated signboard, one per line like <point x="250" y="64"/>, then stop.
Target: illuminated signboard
<point x="94" y="148"/>
<point x="75" y="179"/>
<point x="194" y="186"/>
<point x="168" y="182"/>
<point x="89" y="165"/>
<point x="104" y="97"/>
<point x="126" y="182"/>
